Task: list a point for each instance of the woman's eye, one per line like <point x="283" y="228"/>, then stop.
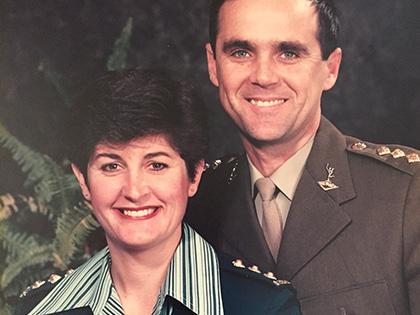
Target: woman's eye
<point x="158" y="166"/>
<point x="111" y="167"/>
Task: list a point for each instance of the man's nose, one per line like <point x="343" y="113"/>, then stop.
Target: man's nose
<point x="135" y="187"/>
<point x="264" y="72"/>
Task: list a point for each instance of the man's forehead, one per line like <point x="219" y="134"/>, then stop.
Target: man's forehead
<point x="297" y="3"/>
<point x="298" y="7"/>
<point x="264" y="16"/>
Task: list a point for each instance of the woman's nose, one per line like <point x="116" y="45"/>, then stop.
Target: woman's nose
<point x="135" y="187"/>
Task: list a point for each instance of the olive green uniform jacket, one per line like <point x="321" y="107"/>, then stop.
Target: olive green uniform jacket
<point x="354" y="249"/>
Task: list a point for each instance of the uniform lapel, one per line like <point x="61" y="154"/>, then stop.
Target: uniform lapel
<point x="77" y="311"/>
<point x="315" y="216"/>
<point x="239" y="226"/>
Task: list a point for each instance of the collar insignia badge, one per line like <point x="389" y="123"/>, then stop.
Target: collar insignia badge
<point x="328" y="184"/>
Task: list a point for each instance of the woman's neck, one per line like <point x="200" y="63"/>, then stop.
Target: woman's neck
<point x="139" y="275"/>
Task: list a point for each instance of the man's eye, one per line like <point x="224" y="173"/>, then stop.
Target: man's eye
<point x="241" y="54"/>
<point x="111" y="167"/>
<point x="289" y="55"/>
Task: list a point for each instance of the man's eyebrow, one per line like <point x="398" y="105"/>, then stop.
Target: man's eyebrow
<point x="293" y="46"/>
<point x="231" y="44"/>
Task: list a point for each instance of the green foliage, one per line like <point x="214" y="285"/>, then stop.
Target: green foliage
<point x="119" y="56"/>
<point x="31" y="251"/>
<point x="47" y="179"/>
<point x="30" y="254"/>
<point x="59" y="82"/>
<point x="72" y="230"/>
<point x="19" y="244"/>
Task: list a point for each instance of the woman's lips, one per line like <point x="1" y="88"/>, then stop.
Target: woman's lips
<point x="138" y="214"/>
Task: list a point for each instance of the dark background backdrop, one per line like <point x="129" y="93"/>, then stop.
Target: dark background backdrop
<point x="376" y="98"/>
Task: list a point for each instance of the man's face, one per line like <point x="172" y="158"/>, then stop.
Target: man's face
<point x="269" y="69"/>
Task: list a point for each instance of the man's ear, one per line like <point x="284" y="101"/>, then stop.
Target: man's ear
<point x="82" y="182"/>
<point x="211" y="65"/>
<point x="333" y="64"/>
<point x="196" y="181"/>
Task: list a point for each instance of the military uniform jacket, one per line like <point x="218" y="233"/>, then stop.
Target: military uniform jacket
<point x="245" y="291"/>
<point x="354" y="249"/>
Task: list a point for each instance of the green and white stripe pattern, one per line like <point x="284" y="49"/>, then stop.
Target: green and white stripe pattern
<point x="193" y="278"/>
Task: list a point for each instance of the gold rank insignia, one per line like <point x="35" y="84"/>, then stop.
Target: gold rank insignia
<point x="270" y="275"/>
<point x="397" y="153"/>
<point x="254" y="268"/>
<point x="413" y="158"/>
<point x="384" y="151"/>
<point x="238" y="263"/>
<point x="359" y="146"/>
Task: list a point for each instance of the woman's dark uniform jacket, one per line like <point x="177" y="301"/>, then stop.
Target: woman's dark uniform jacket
<point x="244" y="292"/>
<point x="354" y="249"/>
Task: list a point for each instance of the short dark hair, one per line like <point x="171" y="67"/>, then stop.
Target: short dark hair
<point x="329" y="25"/>
<point x="127" y="104"/>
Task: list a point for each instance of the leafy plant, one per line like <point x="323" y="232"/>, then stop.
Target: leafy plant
<point x="46" y="232"/>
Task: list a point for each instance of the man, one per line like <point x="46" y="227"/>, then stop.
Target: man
<point x="347" y="234"/>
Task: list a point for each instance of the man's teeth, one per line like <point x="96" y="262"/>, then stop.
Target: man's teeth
<point x="139" y="213"/>
<point x="266" y="103"/>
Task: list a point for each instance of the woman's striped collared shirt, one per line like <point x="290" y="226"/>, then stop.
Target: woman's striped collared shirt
<point x="192" y="278"/>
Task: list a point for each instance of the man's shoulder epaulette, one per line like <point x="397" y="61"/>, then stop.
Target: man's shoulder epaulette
<point x="223" y="162"/>
<point x="237" y="266"/>
<point x="403" y="158"/>
<point x="223" y="169"/>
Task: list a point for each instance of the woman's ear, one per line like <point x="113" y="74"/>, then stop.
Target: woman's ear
<point x="82" y="182"/>
<point x="197" y="177"/>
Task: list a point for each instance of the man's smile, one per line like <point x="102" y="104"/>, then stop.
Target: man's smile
<point x="266" y="103"/>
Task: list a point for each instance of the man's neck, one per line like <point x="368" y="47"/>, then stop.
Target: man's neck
<point x="268" y="157"/>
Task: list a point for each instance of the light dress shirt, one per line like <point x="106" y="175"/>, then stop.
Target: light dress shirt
<point x="193" y="278"/>
<point x="286" y="178"/>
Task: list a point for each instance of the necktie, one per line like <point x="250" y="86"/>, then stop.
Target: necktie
<point x="272" y="224"/>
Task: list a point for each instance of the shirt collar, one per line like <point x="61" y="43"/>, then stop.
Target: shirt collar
<point x="287" y="176"/>
<point x="193" y="276"/>
<point x="88" y="285"/>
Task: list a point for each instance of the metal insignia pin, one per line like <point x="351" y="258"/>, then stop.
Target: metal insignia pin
<point x="238" y="263"/>
<point x="255" y="269"/>
<point x="328" y="184"/>
<point x="233" y="173"/>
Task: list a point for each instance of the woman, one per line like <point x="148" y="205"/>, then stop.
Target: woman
<point x="136" y="142"/>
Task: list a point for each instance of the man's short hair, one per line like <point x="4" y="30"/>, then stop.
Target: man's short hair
<point x="327" y="19"/>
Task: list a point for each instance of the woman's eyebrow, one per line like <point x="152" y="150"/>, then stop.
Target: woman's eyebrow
<point x="107" y="155"/>
<point x="156" y="154"/>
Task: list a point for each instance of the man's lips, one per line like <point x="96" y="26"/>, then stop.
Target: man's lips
<point x="138" y="213"/>
<point x="266" y="103"/>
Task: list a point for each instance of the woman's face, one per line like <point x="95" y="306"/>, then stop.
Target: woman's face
<point x="139" y="192"/>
